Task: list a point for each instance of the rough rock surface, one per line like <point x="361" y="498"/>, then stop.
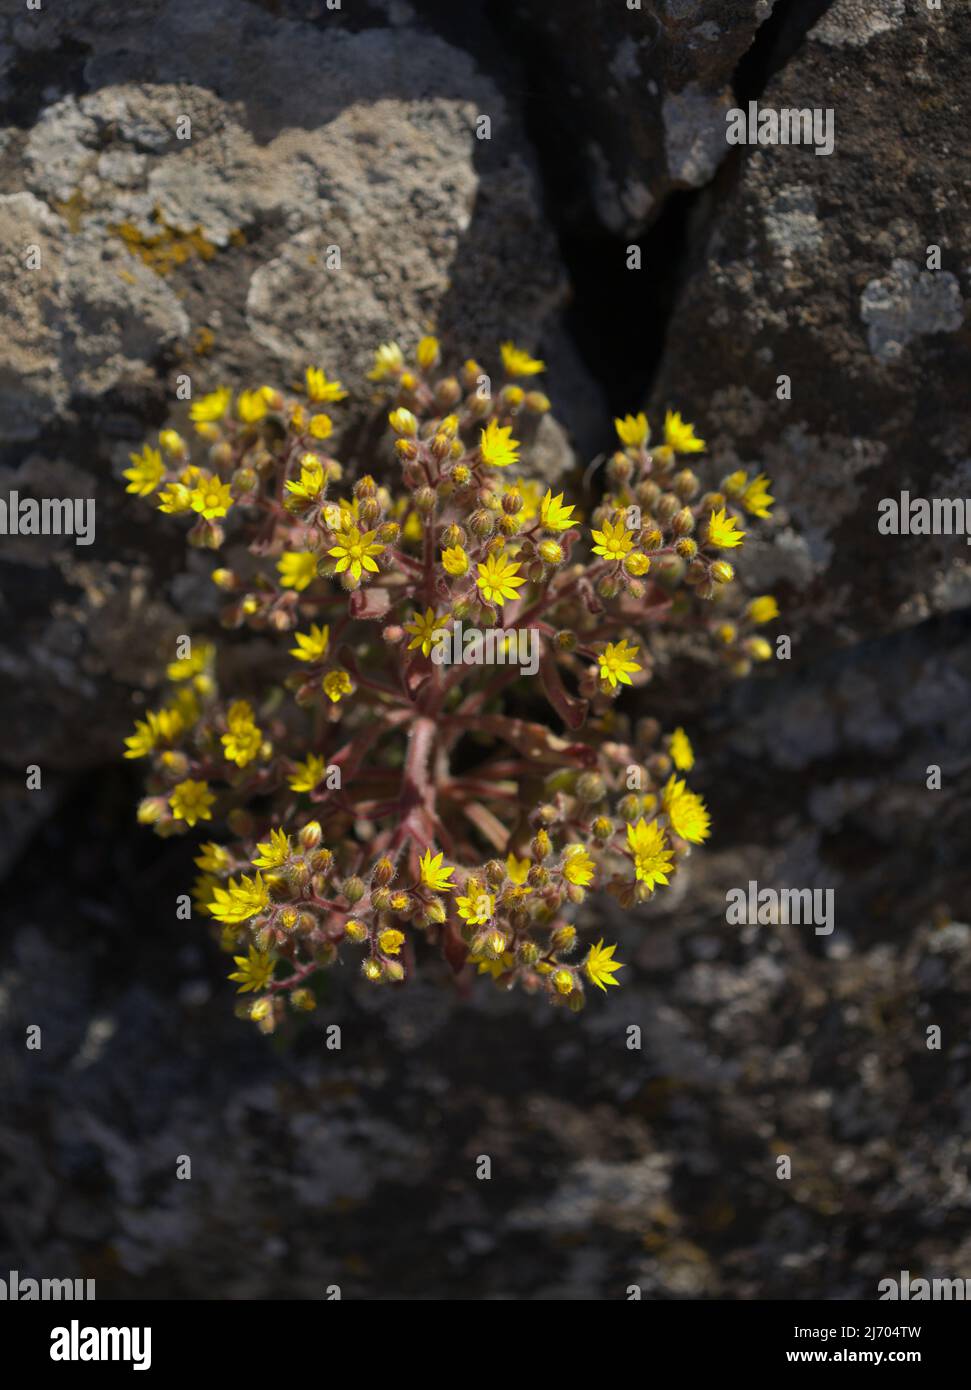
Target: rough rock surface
<point x="639" y="93"/>
<point x="815" y="268"/>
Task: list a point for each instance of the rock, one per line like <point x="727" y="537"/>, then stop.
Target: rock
<point x="816" y="269"/>
<point x="637" y="94"/>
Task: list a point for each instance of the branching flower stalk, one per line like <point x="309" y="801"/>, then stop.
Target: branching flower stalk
<point x="387" y="777"/>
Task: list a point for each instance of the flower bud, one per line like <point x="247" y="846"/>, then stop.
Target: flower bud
<point x="303" y="1001"/>
<point x="311" y="835"/>
<point x="722" y="572"/>
<point x="758" y="648"/>
<point x="541" y="846"/>
<point x="566" y="640"/>
<point x="590" y="787"/>
<point x="482" y="524"/>
<point x="564" y="938"/>
<point x="512" y="502"/>
<point x="537" y="402"/>
<point x="448" y="392"/>
<point x="685" y="484"/>
<point x="551" y="553"/>
<point x="383" y="872"/>
<point x="683" y="522"/>
<point x="353" y="889"/>
<point x="620" y="468"/>
<point x="528" y="952"/>
<point x="425" y="500"/>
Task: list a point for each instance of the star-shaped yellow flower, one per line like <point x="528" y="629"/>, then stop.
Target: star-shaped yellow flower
<point x="614" y="541"/>
<point x="355" y="552"/>
<point x="499" y="579"/>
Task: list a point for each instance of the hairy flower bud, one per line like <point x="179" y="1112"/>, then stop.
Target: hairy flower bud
<point x="353" y="889"/>
<point x="482" y="524"/>
<point x="590" y="787"/>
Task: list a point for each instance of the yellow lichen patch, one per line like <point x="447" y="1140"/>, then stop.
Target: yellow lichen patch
<point x="203" y="341"/>
<point x="166" y="249"/>
<point x="73" y="209"/>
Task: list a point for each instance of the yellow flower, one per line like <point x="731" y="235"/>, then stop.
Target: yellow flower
<point x="212" y="498"/>
<point x="244" y="739"/>
<point x="214" y="859"/>
<point x="237" y="902"/>
<point x="680" y="436"/>
<point x="307" y="775"/>
<point x="633" y="430"/>
<point x="388" y="361"/>
<point x="172" y="442"/>
<point x="403" y="422"/>
<point x="756" y="497"/>
<point x="147" y="473"/>
<point x="497" y="447"/>
<point x="652" y="856"/>
<point x="251" y="406"/>
<point x="255" y="970"/>
<point x="211" y="407"/>
<point x="762" y="609"/>
<point x="519" y="363"/>
<point x="495" y="968"/>
<point x="298" y="568"/>
<point x="187" y="667"/>
<point x="390" y="941"/>
<point x="191" y="801"/>
<point x="426" y="354"/>
<point x="723" y="532"/>
<point x="686" y="811"/>
<point x="321" y="426"/>
<point x="355" y="551"/>
<point x="477" y="907"/>
<point x="336" y="685"/>
<point x="614" y="541"/>
<point x="455" y="561"/>
<point x="320" y="389"/>
<point x="175" y="498"/>
<point x="273" y="852"/>
<point x="600" y="965"/>
<point x="553" y="515"/>
<point x="616" y="660"/>
<point x="311" y="479"/>
<point x="682" y="754"/>
<point x="155" y="730"/>
<point x="578" y="867"/>
<point x="517" y="869"/>
<point x="499" y="579"/>
<point x="202" y="892"/>
<point x="423" y="630"/>
<point x="434" y="874"/>
<point x="312" y="645"/>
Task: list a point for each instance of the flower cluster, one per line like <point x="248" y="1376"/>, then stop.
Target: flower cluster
<point x="378" y="795"/>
